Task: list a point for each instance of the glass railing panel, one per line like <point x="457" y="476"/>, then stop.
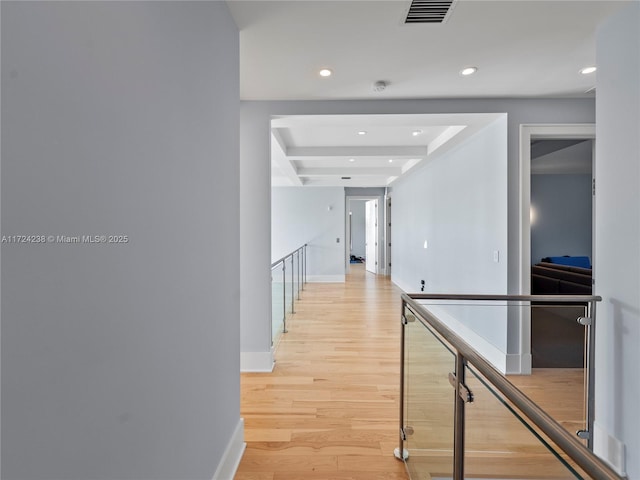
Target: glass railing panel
<point x="558" y="351"/>
<point x="558" y="382"/>
<point x="277" y="304"/>
<point x="428" y="403"/>
<point x="479" y="323"/>
<point x="288" y="285"/>
<point x="557" y="339"/>
<point x="500" y="442"/>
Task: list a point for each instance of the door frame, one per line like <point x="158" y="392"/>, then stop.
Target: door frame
<point x="371" y="207"/>
<point x="542" y="131"/>
<point x="530" y="132"/>
<point x="347" y="243"/>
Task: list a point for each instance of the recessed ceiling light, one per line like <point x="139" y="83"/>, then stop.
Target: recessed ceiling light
<point x="362" y="132"/>
<point x="352" y="159"/>
<point x="415" y="133"/>
<point x="588" y="70"/>
<point x="391" y="160"/>
<point x="468" y="71"/>
<point x="325" y="72"/>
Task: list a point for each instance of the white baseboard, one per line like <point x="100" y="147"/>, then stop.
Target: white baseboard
<point x="518" y="364"/>
<point x="256" y="362"/>
<point x="326" y="278"/>
<point x="609" y="449"/>
<point x="232" y="454"/>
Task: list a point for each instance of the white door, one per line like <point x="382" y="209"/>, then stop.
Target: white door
<point x="371" y="218"/>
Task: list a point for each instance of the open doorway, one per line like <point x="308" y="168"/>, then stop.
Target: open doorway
<point x="561" y="200"/>
<point x="529" y="134"/>
<point x="371" y="236"/>
<point x="364" y="235"/>
<point x="557" y="225"/>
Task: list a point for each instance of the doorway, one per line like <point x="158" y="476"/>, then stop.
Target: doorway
<point x="364" y="217"/>
<point x="371" y="236"/>
<point x="529" y="133"/>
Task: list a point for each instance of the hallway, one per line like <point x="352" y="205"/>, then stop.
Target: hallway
<point x="330" y="408"/>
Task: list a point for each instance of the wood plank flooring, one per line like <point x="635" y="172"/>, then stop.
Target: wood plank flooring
<point x="330" y="408"/>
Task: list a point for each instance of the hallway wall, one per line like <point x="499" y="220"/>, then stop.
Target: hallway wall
<point x="456" y="203"/>
<point x="120" y="360"/>
<point x="312" y="215"/>
<point x="563" y="220"/>
<point x="617" y="240"/>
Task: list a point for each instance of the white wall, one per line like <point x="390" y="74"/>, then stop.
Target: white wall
<point x="457" y="203"/>
<point x="255" y="183"/>
<point x="120" y="361"/>
<point x="312" y="215"/>
<point x="562" y="222"/>
<point x="617" y="238"/>
<point x="358" y="224"/>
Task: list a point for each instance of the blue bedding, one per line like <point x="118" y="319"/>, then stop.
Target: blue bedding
<point x="577" y="261"/>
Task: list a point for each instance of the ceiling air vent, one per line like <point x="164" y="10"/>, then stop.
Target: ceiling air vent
<point x="428" y="11"/>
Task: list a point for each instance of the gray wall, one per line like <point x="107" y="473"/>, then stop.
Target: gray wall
<point x="119" y="361"/>
<point x="255" y="180"/>
<point x="312" y="215"/>
<point x="617" y="238"/>
<point x="457" y="204"/>
<point x="562" y="221"/>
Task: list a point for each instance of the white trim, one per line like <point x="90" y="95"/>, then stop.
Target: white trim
<point x="381" y="258"/>
<point x="258" y="362"/>
<point x="326" y="278"/>
<point x="609" y="449"/>
<point x="527" y="133"/>
<point x="232" y="454"/>
<point x="518" y="364"/>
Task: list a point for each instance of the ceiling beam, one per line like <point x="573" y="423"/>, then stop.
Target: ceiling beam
<point x="349" y="172"/>
<point x="382" y="151"/>
<point x="278" y="149"/>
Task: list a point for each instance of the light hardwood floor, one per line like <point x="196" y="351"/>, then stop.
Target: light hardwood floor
<point x="330" y="408"/>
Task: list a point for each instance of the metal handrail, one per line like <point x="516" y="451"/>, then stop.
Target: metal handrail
<point x="581" y="455"/>
<point x="518" y="298"/>
<point x="280" y="260"/>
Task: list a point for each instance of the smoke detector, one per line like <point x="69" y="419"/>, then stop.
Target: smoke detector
<point x="379" y="86"/>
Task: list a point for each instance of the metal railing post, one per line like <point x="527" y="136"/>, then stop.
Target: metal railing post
<point x="293" y="286"/>
<point x="589" y="364"/>
<point x="401" y="449"/>
<point x="295" y="283"/>
<point x="284" y="297"/>
<point x="298" y="254"/>
<point x="458" y="422"/>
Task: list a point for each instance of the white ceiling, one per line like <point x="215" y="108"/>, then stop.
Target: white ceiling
<point x="319" y="150"/>
<point x="522" y="48"/>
